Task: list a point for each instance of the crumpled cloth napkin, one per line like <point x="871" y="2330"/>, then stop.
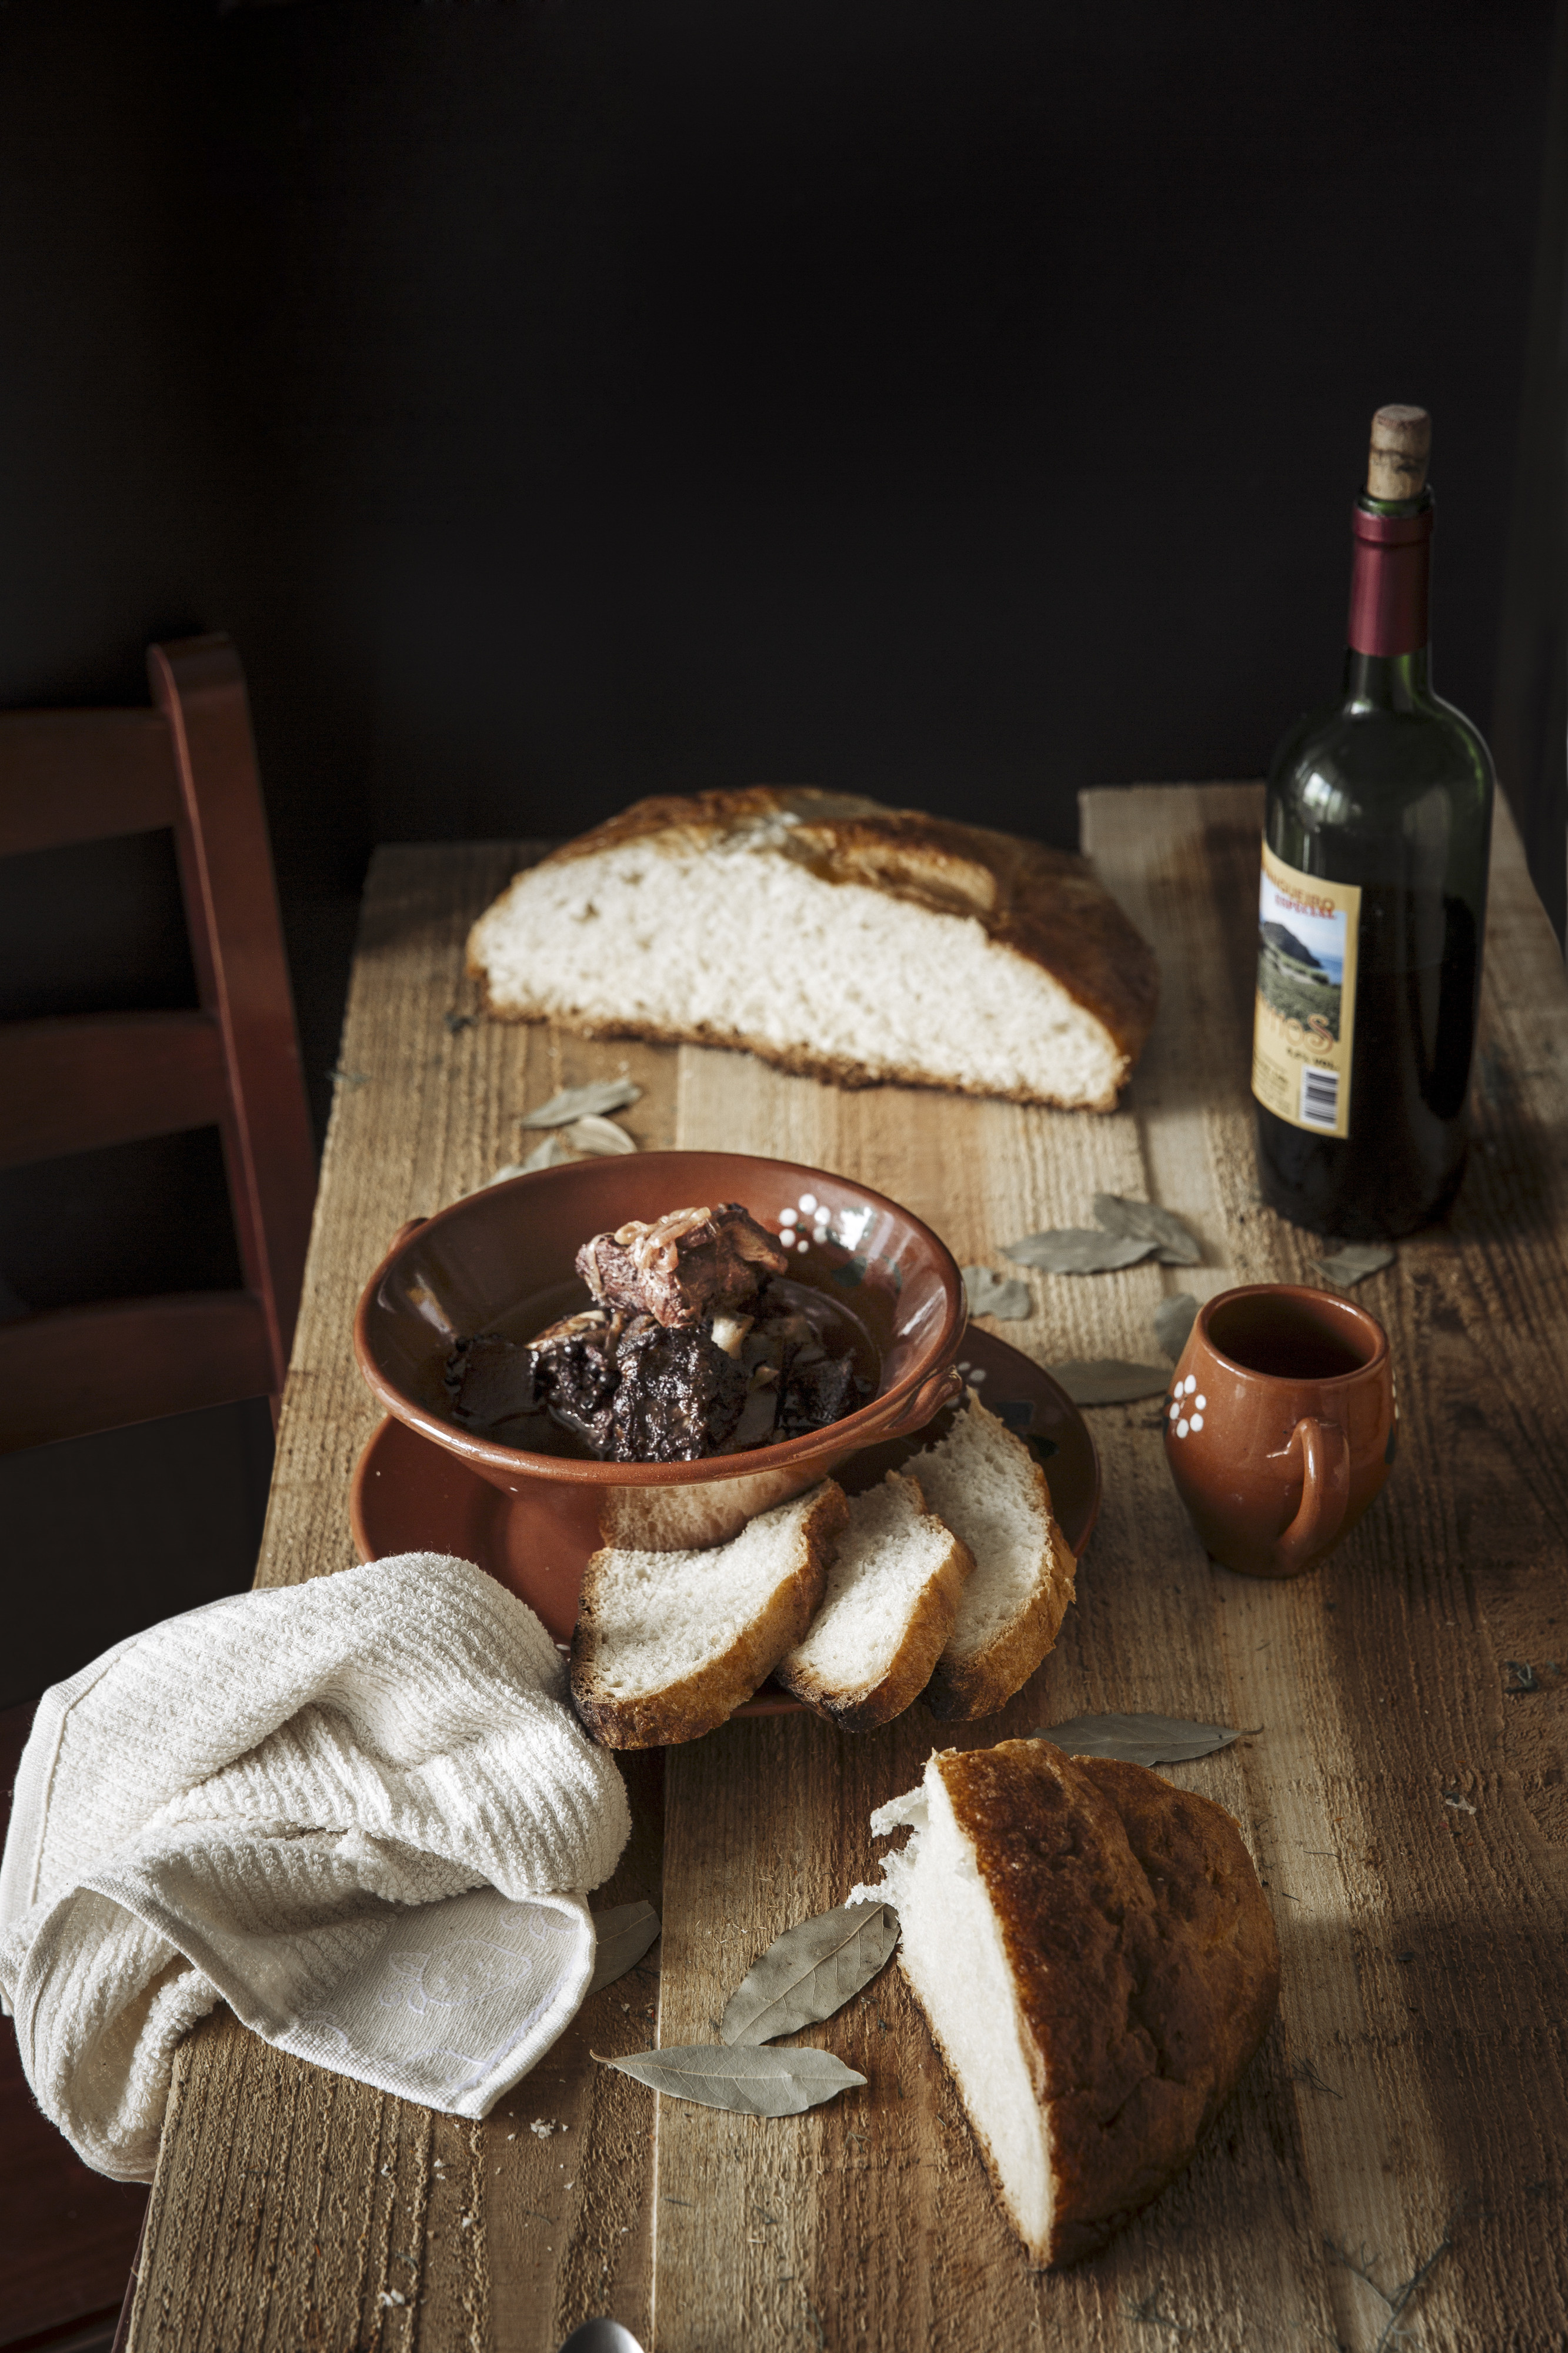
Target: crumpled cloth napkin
<point x="358" y="1811"/>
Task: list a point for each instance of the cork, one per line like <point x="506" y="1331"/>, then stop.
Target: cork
<point x="1396" y="465"/>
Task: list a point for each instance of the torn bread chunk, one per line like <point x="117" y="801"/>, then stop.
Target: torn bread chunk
<point x="988" y="1486"/>
<point x="1098" y="1965"/>
<point x="668" y="1644"/>
<point x="892" y="1596"/>
<point x="834" y="936"/>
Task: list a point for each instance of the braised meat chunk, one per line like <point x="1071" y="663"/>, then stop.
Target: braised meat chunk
<point x="577" y="1375"/>
<point x="817" y="1389"/>
<point x="697" y="1345"/>
<point x="679" y="1396"/>
<point x="497" y="1385"/>
<point x="491" y="1382"/>
<point x="688" y="1264"/>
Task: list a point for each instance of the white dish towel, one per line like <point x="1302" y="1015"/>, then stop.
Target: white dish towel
<point x="358" y="1811"/>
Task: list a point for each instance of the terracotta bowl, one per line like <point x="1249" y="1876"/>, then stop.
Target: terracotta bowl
<point x="501" y="1260"/>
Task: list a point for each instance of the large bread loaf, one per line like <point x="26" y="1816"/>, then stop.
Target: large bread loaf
<point x="832" y="936"/>
<point x="1098" y="1963"/>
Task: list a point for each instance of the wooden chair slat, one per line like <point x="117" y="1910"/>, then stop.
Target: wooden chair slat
<point x="237" y="936"/>
<point x="73" y="1084"/>
<point x="99" y="1368"/>
<point x="82" y="775"/>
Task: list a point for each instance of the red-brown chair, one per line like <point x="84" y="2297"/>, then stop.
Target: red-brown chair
<point x="71" y="1084"/>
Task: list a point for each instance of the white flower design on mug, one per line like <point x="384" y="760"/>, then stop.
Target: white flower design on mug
<point x="1187" y="1409"/>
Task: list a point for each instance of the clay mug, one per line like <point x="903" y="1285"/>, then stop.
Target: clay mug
<point x="1280" y="1424"/>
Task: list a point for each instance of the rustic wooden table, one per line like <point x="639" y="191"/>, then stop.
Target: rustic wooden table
<point x="1393" y="2170"/>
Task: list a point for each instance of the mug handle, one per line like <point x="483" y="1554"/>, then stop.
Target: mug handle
<point x="1325" y="1492"/>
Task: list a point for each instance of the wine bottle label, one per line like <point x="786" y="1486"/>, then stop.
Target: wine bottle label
<point x="1304" y="1030"/>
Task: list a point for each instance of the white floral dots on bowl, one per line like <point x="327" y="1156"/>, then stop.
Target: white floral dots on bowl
<point x="794" y="1234"/>
<point x="973" y="1374"/>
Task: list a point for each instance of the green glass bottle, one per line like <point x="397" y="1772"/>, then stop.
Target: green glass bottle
<point x="1373" y="901"/>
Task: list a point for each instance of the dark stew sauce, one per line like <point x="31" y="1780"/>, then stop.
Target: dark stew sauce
<point x="691" y="1343"/>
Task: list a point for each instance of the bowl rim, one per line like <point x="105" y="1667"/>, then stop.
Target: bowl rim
<point x="861" y="1427"/>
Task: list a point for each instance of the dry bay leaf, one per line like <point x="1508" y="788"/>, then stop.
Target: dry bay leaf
<point x="590" y="1135"/>
<point x="1065" y="1250"/>
<point x="1175" y="1244"/>
<point x="1173" y="1319"/>
<point x="624" y="1933"/>
<point x="582" y="1103"/>
<point x="1006" y="1296"/>
<point x="1109" y="1380"/>
<point x="1138" y="1739"/>
<point x="598" y="1136"/>
<point x="810" y="1971"/>
<point x="550" y="1153"/>
<point x="1353" y="1261"/>
<point x="747" y="2080"/>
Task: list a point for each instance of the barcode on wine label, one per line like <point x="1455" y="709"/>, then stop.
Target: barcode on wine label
<point x="1319" y="1098"/>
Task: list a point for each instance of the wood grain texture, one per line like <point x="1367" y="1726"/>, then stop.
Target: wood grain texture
<point x="1406" y="1792"/>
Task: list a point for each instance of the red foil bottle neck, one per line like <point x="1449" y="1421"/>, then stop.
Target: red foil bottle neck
<point x="1388" y="582"/>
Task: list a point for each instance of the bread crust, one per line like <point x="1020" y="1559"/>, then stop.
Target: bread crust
<point x="1042" y="904"/>
<point x="925" y="1636"/>
<point x="699" y="1702"/>
<point x="1144" y="1957"/>
<point x="961" y="1689"/>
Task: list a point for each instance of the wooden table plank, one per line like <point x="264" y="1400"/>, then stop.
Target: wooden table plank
<point x="1412" y="2097"/>
<point x="845" y="2178"/>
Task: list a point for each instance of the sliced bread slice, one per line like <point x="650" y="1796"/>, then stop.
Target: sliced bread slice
<point x="668" y="1644"/>
<point x="988" y="1487"/>
<point x="1098" y="1963"/>
<point x="892" y="1596"/>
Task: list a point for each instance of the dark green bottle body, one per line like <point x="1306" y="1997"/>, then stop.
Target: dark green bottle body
<point x="1389" y="789"/>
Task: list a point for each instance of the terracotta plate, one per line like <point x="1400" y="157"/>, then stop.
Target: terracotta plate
<point x="410" y="1495"/>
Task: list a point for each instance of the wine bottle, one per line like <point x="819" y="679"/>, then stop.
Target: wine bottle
<point x="1372" y="900"/>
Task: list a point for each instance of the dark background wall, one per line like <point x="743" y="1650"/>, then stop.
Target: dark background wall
<point x="561" y="400"/>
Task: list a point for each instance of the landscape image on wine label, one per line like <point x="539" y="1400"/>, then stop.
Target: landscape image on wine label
<point x="1301" y="963"/>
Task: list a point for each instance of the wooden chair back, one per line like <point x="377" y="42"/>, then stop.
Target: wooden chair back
<point x="71" y="1083"/>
